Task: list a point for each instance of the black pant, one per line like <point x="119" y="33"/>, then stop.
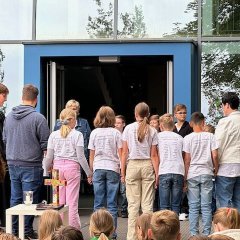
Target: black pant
<point x="5" y="193"/>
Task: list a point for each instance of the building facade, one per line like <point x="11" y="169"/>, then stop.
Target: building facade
<point x="119" y="52"/>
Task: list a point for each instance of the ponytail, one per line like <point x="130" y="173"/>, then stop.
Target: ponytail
<point x="143" y="129"/>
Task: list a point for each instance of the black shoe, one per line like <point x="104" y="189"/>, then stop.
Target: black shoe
<point x="124" y="215"/>
<point x="31" y="235"/>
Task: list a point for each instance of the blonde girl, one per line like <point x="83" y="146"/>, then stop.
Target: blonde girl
<point x="49" y="222"/>
<point x="142" y="226"/>
<point x="140" y="148"/>
<point x="66" y="151"/>
<point x="101" y="225"/>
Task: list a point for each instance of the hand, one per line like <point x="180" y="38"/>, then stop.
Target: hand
<point x="89" y="180"/>
<point x="123" y="179"/>
<point x="156" y="181"/>
<point x="185" y="186"/>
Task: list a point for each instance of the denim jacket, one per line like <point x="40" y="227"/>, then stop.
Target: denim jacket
<point x="83" y="127"/>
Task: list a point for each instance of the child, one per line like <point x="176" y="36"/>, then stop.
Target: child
<point x="48" y="223"/>
<point x="164" y="225"/>
<point x="142" y="226"/>
<point x="210" y="128"/>
<point x="140" y="148"/>
<point x="120" y="124"/>
<point x="154" y="122"/>
<point x="101" y="225"/>
<point x="201" y="163"/>
<point x="226" y="221"/>
<point x="171" y="167"/>
<point x="182" y="128"/>
<point x="66" y="150"/>
<point x="67" y="233"/>
<point x="105" y="148"/>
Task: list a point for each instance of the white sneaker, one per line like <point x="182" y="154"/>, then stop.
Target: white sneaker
<point x="183" y="217"/>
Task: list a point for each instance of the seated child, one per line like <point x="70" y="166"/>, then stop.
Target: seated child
<point x="8" y="236"/>
<point x="220" y="237"/>
<point x="48" y="223"/>
<point x="198" y="237"/>
<point x="101" y="225"/>
<point x="164" y="225"/>
<point x="67" y="233"/>
<point x="226" y="221"/>
<point x="142" y="226"/>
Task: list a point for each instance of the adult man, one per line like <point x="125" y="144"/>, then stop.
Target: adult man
<point x="228" y="137"/>
<point x="25" y="134"/>
<point x="5" y="183"/>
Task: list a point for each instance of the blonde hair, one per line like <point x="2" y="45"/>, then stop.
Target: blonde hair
<point x="8" y="236"/>
<point x="142" y="110"/>
<point x="165" y="225"/>
<point x="166" y="121"/>
<point x="101" y="224"/>
<point x="220" y="237"/>
<point x="179" y="107"/>
<point x="228" y="217"/>
<point x="73" y="103"/>
<point x="143" y="223"/>
<point x="48" y="223"/>
<point x="66" y="115"/>
<point x="209" y="128"/>
<point x="105" y="117"/>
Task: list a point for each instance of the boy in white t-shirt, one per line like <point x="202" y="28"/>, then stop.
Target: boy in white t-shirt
<point x="171" y="167"/>
<point x="201" y="163"/>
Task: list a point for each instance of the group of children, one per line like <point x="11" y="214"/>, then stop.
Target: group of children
<point x="176" y="158"/>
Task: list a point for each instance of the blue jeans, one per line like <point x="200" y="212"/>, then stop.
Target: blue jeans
<point x="124" y="202"/>
<point x="170" y="191"/>
<point x="228" y="191"/>
<point x="105" y="186"/>
<point x="200" y="198"/>
<point x="24" y="179"/>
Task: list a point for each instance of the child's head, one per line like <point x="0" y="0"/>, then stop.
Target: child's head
<point x="154" y="121"/>
<point x="166" y="122"/>
<point x="180" y="112"/>
<point x="68" y="121"/>
<point x="165" y="225"/>
<point x="197" y="120"/>
<point x="120" y="122"/>
<point x="142" y="226"/>
<point x="105" y="117"/>
<point x="198" y="237"/>
<point x="220" y="237"/>
<point x="48" y="223"/>
<point x="209" y="128"/>
<point x="74" y="105"/>
<point x="226" y="218"/>
<point x="8" y="236"/>
<point x="67" y="233"/>
<point x="101" y="224"/>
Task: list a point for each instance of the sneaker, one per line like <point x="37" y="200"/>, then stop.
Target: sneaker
<point x="31" y="235"/>
<point x="183" y="217"/>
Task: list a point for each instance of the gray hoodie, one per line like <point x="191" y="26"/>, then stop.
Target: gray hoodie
<point x="25" y="134"/>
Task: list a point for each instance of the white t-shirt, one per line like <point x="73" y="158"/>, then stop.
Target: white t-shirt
<point x="200" y="145"/>
<point x="105" y="142"/>
<point x="170" y="145"/>
<point x="139" y="150"/>
<point x="65" y="148"/>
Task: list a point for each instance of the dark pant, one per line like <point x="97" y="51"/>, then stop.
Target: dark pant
<point x="123" y="198"/>
<point x="24" y="179"/>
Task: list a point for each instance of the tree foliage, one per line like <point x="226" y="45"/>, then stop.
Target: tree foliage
<point x="102" y="26"/>
<point x="1" y="71"/>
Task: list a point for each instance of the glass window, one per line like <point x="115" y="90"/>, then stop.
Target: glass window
<point x="74" y="19"/>
<point x="221" y="17"/>
<point x="157" y="18"/>
<point x="220" y="73"/>
<point x="11" y="65"/>
<point x="16" y="20"/>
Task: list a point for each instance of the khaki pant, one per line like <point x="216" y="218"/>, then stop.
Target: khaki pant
<point x="140" y="191"/>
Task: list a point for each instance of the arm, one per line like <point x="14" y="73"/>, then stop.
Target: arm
<point x="155" y="162"/>
<point x="214" y="154"/>
<point x="124" y="156"/>
<point x="91" y="159"/>
<point x="187" y="160"/>
<point x="83" y="161"/>
<point x="48" y="161"/>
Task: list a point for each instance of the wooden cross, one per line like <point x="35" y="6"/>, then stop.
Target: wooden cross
<point x="55" y="182"/>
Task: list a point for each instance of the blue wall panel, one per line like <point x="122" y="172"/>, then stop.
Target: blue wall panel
<point x="181" y="52"/>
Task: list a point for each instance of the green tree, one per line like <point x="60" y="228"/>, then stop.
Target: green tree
<point x="102" y="26"/>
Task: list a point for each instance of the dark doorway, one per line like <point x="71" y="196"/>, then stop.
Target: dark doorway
<point x="121" y="85"/>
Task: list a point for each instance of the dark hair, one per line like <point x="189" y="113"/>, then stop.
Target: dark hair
<point x="121" y="117"/>
<point x="232" y="99"/>
<point x="30" y="92"/>
<point x="67" y="233"/>
<point x="197" y="118"/>
<point x="3" y="89"/>
<point x="198" y="237"/>
<point x="220" y="237"/>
